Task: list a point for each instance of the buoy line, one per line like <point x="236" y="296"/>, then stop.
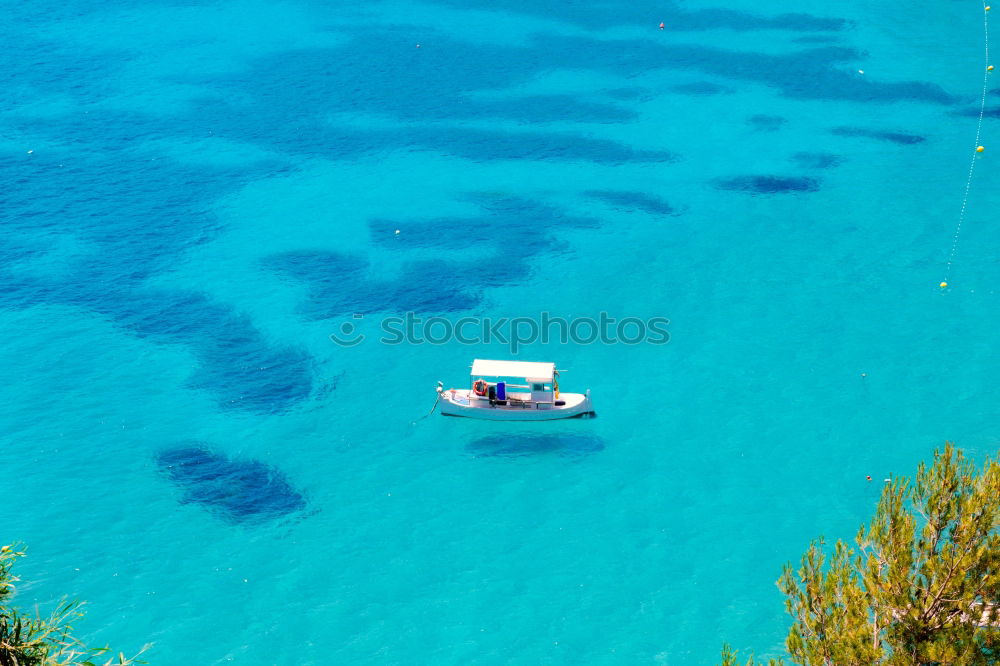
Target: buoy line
<point x="987" y="68"/>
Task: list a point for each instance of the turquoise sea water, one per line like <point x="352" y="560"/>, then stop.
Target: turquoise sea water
<point x="196" y="194"/>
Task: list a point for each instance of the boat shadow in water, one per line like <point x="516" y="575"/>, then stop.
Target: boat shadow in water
<point x="237" y="491"/>
<point x="516" y="445"/>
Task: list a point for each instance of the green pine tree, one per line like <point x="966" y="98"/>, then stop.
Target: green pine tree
<point x="31" y="640"/>
<point x="921" y="586"/>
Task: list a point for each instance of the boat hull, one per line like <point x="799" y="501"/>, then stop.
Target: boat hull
<point x="464" y="403"/>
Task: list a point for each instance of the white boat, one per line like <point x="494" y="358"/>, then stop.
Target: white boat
<point x="513" y="391"/>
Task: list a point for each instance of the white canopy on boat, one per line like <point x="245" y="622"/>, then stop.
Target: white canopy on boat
<point x="526" y="369"/>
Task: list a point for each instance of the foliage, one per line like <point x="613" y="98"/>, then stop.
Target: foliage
<point x="922" y="586"/>
<point x="42" y="641"/>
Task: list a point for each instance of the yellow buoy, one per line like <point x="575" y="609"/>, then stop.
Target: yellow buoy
<point x="944" y="284"/>
<point x="980" y="149"/>
<point x="990" y="68"/>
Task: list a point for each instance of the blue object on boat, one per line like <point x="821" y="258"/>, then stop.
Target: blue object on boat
<point x="501" y="390"/>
